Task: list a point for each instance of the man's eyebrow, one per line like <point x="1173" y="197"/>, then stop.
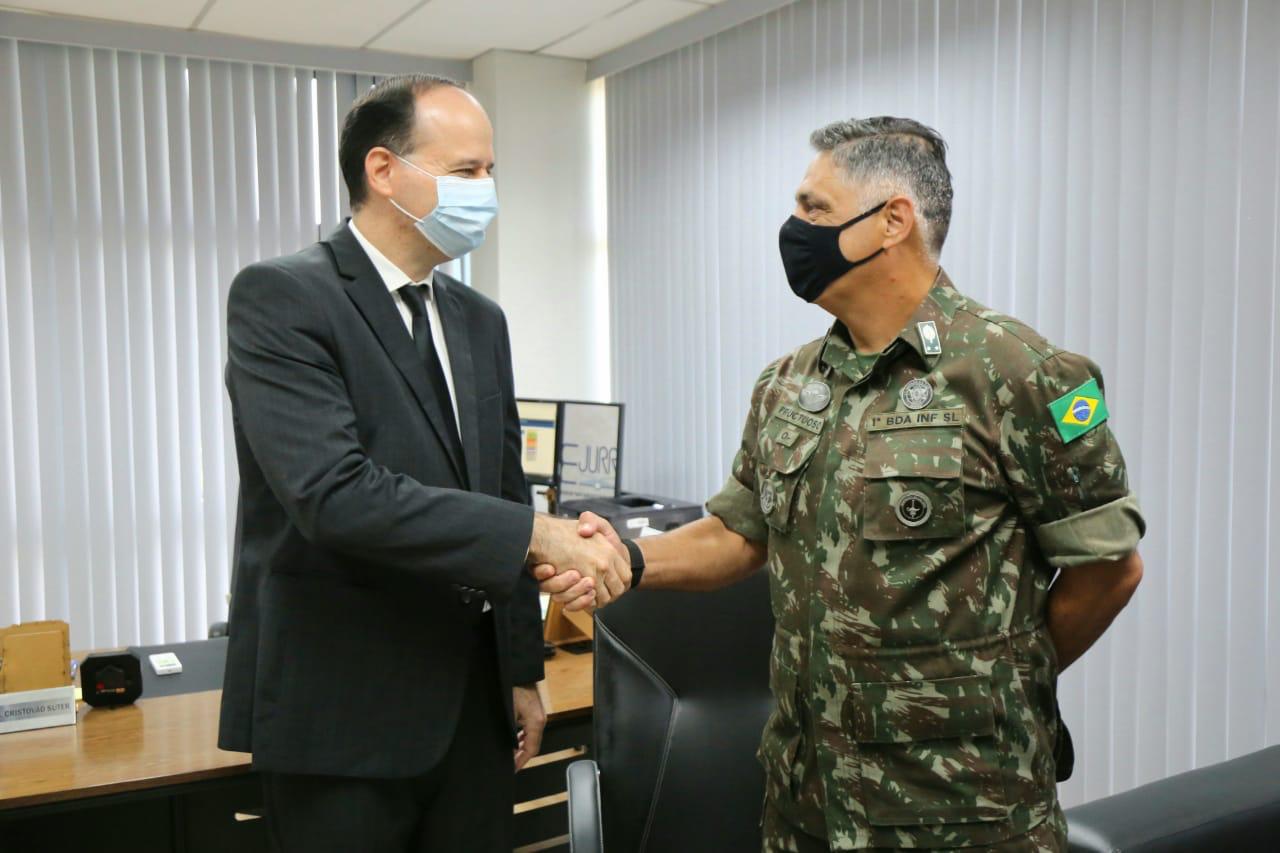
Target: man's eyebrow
<point x="808" y="199"/>
<point x="472" y="164"/>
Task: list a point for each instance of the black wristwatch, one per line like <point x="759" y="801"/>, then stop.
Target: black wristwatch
<point x="637" y="561"/>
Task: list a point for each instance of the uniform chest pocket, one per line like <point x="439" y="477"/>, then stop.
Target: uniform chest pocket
<point x="785" y="451"/>
<point x="914" y="485"/>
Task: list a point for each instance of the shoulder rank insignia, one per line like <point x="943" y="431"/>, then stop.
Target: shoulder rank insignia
<point x="1079" y="411"/>
<point x="929" y="340"/>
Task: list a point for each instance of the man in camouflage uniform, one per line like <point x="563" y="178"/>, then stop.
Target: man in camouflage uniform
<point x="913" y="480"/>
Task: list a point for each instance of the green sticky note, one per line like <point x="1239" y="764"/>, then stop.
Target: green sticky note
<point x="1079" y="411"/>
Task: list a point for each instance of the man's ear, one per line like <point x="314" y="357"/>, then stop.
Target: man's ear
<point x="377" y="171"/>
<point x="899" y="220"/>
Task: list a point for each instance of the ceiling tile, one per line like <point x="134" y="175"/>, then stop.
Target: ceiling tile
<point x="324" y="22"/>
<point x="463" y="29"/>
<point x="627" y="25"/>
<point x="162" y="13"/>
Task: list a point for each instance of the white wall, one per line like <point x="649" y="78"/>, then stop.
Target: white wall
<point x="539" y="260"/>
<point x="1117" y="186"/>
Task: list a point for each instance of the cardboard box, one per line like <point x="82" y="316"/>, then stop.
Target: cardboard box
<point x="35" y="656"/>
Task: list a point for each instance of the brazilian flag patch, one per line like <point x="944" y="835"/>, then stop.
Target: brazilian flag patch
<point x="1078" y="411"/>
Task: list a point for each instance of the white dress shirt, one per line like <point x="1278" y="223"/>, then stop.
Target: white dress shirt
<point x="395" y="278"/>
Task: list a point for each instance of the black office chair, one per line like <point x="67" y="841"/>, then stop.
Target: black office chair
<point x="681" y="697"/>
<point x="1234" y="805"/>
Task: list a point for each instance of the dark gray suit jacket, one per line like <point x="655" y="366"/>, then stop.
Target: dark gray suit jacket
<point x="349" y="645"/>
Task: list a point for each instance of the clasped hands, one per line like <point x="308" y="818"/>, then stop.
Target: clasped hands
<point x="582" y="564"/>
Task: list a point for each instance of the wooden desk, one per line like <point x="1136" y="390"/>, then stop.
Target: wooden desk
<point x="567" y="691"/>
<point x="169" y="744"/>
<point x="154" y="742"/>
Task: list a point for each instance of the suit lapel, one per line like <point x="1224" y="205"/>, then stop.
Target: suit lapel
<point x="458" y="339"/>
<point x="369" y="293"/>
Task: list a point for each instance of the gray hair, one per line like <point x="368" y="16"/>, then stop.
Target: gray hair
<point x="895" y="155"/>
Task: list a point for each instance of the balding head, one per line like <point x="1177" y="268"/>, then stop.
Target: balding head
<point x="402" y="113"/>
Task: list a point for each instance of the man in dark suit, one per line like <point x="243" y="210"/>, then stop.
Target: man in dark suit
<point x="385" y="633"/>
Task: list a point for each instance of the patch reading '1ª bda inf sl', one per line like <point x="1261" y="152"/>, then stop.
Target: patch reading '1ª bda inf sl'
<point x="912" y="420"/>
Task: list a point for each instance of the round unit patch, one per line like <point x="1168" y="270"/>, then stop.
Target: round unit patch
<point x="768" y="498"/>
<point x="815" y="396"/>
<point x="916" y="394"/>
<point x="914" y="509"/>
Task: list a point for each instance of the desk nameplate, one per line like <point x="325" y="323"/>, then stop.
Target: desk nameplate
<point x="24" y="710"/>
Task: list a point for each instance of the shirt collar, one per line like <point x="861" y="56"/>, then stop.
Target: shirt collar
<point x="392" y="276"/>
<point x="939" y="307"/>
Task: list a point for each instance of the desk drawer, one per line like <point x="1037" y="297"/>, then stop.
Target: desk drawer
<point x="125" y="825"/>
<point x="219" y="819"/>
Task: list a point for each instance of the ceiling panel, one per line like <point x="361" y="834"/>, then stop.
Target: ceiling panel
<point x="626" y="25"/>
<point x="464" y="29"/>
<point x="448" y="29"/>
<point x="162" y="13"/>
<point x="322" y="22"/>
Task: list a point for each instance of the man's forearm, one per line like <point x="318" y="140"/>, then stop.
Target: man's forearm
<point x="1085" y="600"/>
<point x="699" y="556"/>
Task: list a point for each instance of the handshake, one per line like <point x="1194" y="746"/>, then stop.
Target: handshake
<point x="582" y="564"/>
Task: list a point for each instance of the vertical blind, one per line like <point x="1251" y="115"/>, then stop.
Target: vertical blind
<point x="1117" y="185"/>
<point x="133" y="186"/>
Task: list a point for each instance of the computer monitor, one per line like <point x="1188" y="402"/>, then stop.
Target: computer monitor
<point x="590" y="460"/>
<point x="538" y="442"/>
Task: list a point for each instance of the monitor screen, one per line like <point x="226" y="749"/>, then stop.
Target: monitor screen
<point x="590" y="443"/>
<point x="538" y="439"/>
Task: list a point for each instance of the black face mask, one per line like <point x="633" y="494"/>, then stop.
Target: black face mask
<point x="811" y="254"/>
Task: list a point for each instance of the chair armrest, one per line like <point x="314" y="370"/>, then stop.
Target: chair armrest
<point x="1234" y="805"/>
<point x="585" y="830"/>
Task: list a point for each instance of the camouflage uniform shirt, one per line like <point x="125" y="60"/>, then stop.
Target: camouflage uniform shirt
<point x="916" y="507"/>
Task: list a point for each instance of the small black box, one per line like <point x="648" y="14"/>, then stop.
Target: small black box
<point x="110" y="679"/>
<point x="632" y="512"/>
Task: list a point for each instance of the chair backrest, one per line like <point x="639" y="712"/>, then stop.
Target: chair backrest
<point x="681" y="697"/>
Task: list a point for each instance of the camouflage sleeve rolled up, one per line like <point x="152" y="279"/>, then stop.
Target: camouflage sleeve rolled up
<point x="736" y="504"/>
<point x="1064" y="465"/>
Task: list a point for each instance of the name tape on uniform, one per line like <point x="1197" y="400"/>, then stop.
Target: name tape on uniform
<point x="805" y="421"/>
<point x="910" y="420"/>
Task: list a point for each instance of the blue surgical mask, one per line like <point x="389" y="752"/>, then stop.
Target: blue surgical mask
<point x="464" y="209"/>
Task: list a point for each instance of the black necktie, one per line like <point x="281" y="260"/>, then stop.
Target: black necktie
<point x="412" y="296"/>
